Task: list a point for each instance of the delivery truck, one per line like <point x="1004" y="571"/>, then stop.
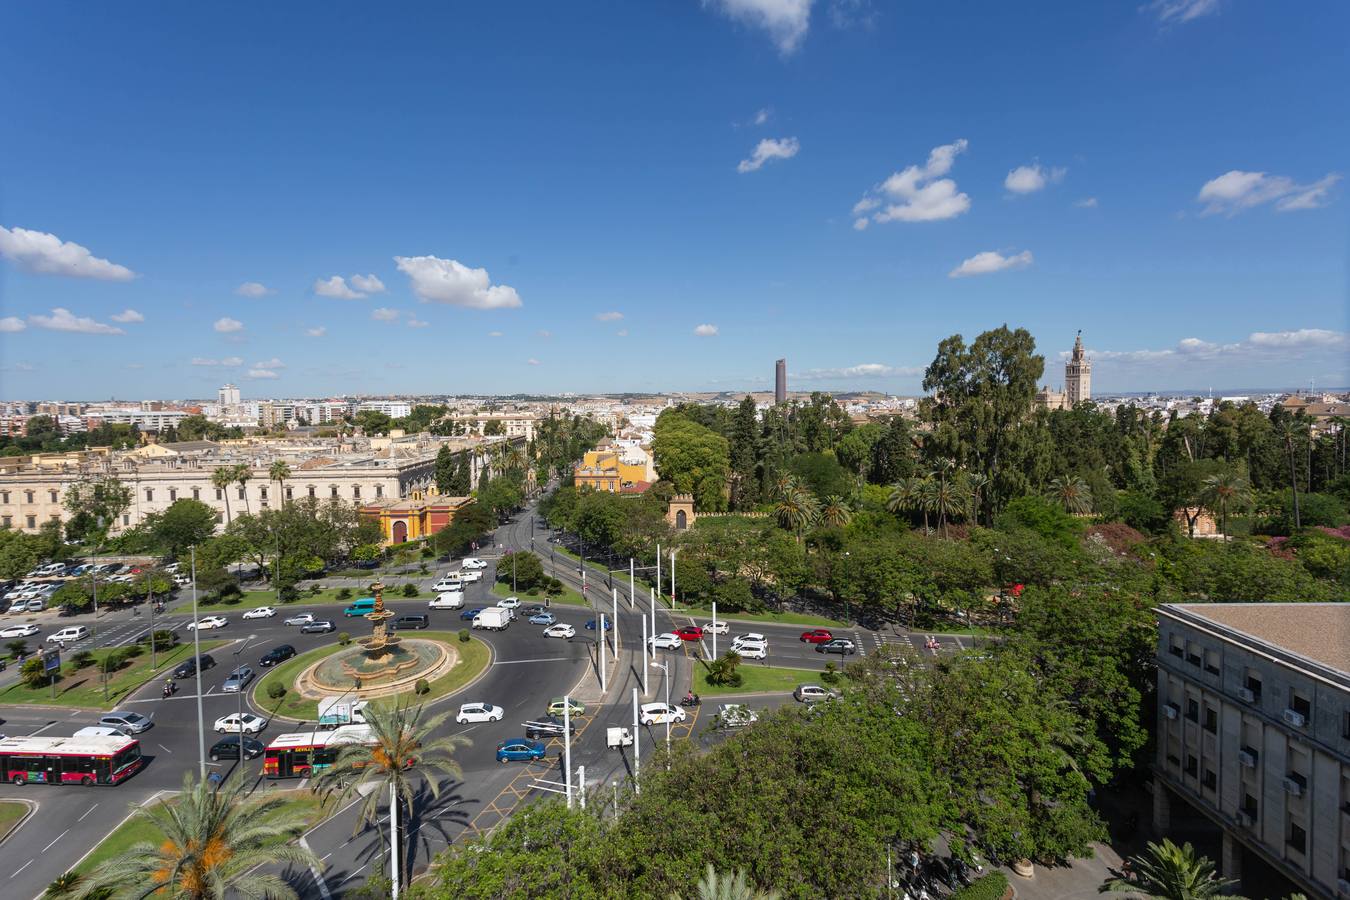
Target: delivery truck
<point x="494" y="618"/>
<point x="337" y="711"/>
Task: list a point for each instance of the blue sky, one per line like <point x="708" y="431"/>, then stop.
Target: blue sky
<point x="840" y="182"/>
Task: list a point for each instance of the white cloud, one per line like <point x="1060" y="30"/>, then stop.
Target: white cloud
<point x="767" y="149"/>
<point x="384" y="314"/>
<point x="762" y="116"/>
<point x="135" y="365"/>
<point x="1032" y="178"/>
<point x="335" y="287"/>
<point x="860" y="224"/>
<point x="47" y="254"/>
<point x="1259" y="346"/>
<point x="18" y="367"/>
<point x="272" y="363"/>
<point x="367" y="284"/>
<point x="1086" y="203"/>
<point x="127" y="316"/>
<point x="705" y="330"/>
<point x="532" y="361"/>
<point x="544" y="333"/>
<point x="1175" y="12"/>
<point x="253" y="289"/>
<point x="316" y="331"/>
<point x="622" y="332"/>
<point x="609" y="316"/>
<point x="11" y="324"/>
<point x="918" y="193"/>
<point x="436" y="280"/>
<point x="262" y="373"/>
<point x="786" y="21"/>
<point x="63" y="320"/>
<point x="863" y="370"/>
<point x="227" y="362"/>
<point x="494" y="334"/>
<point x="228" y="325"/>
<point x="1234" y="191"/>
<point x="417" y="323"/>
<point x="991" y="261"/>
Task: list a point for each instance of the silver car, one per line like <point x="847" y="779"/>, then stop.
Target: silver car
<point x="235" y="681"/>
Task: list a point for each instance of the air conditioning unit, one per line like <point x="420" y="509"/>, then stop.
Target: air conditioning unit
<point x="1171" y="710"/>
<point x="1291" y="717"/>
<point x="1247" y="758"/>
<point x="1293" y="786"/>
<point x="1246" y="695"/>
<point x="1245" y="820"/>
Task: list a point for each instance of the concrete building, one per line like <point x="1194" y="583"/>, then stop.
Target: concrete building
<point x="780" y="382"/>
<point x="1254" y="734"/>
<point x="228" y="396"/>
<point x="610" y="467"/>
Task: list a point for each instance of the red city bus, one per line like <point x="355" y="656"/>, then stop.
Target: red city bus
<point x="306" y="753"/>
<point x="69" y="760"/>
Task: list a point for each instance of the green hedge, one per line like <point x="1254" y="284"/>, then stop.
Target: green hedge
<point x="988" y="887"/>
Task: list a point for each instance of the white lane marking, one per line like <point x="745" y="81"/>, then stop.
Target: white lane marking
<point x="75" y="713"/>
<point x="512" y="662"/>
<point x="53" y="843"/>
<point x="318" y="876"/>
<point x="91" y="809"/>
<point x="343" y="881"/>
<point x="21" y="868"/>
<point x="303" y="782"/>
<point x="162" y="747"/>
<point x="42" y="729"/>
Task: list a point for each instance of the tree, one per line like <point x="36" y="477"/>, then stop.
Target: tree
<point x="1168" y="872"/>
<point x="835" y="511"/>
<point x="523" y="569"/>
<point x="462" y="481"/>
<point x="693" y="458"/>
<point x="184" y="524"/>
<point x="208" y="844"/>
<point x="744" y="454"/>
<point x="279" y="471"/>
<point x="797" y="510"/>
<point x="493" y="427"/>
<point x="221" y="479"/>
<point x="1072" y="493"/>
<point x="445" y="470"/>
<point x="18" y="554"/>
<point x="95" y="504"/>
<point x="1223" y="492"/>
<point x="243" y="473"/>
<point x="728" y="886"/>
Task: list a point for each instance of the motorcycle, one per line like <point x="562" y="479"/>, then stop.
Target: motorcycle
<point x="170" y="688"/>
<point x="691" y="702"/>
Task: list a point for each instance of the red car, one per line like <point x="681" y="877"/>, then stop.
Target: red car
<point x="690" y="633"/>
<point x="816" y="636"/>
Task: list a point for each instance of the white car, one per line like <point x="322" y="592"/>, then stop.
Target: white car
<point x="182" y="580"/>
<point x="735" y="715"/>
<point x="560" y="630"/>
<point x="300" y="619"/>
<point x="667" y="641"/>
<point x="262" y="612"/>
<point x="471" y="576"/>
<point x="247" y="723"/>
<point x="447" y="583"/>
<point x="479" y="712"/>
<point x="750" y="638"/>
<point x="208" y="622"/>
<point x="751" y="650"/>
<point x="716" y="628"/>
<point x="473" y="563"/>
<point x="509" y="603"/>
<point x="19" y="631"/>
<point x="70" y="633"/>
<point x="660" y="714"/>
<point x="447" y="600"/>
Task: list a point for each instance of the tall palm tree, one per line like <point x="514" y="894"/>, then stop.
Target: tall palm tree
<point x="728" y="886"/>
<point x="949" y="500"/>
<point x="1223" y="492"/>
<point x="221" y="479"/>
<point x="835" y="511"/>
<point x="279" y="471"/>
<point x="242" y="474"/>
<point x="784" y="483"/>
<point x="976" y="483"/>
<point x="404" y="743"/>
<point x="797" y="510"/>
<point x="1072" y="493"/>
<point x="902" y="496"/>
<point x="1168" y="872"/>
<point x="209" y="842"/>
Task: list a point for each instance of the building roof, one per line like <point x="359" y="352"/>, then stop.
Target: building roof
<point x="190" y="446"/>
<point x="1317" y="632"/>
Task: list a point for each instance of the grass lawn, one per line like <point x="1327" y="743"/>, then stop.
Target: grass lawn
<point x="473" y="658"/>
<point x="253" y="599"/>
<point x="755" y="679"/>
<point x="10" y="814"/>
<point x="782" y="618"/>
<point x="568" y="595"/>
<point x="84" y="688"/>
<point x="137" y="830"/>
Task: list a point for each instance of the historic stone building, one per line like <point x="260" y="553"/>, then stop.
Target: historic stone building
<point x="1077" y="381"/>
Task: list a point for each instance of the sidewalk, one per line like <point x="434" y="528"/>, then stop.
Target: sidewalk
<point x="1079" y="879"/>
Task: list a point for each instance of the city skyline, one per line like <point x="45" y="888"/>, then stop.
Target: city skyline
<point x="670" y="211"/>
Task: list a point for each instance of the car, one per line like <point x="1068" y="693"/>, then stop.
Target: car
<point x="446" y="600"/>
<point x="469" y="614"/>
<point x="18" y="631"/>
<point x="546" y="727"/>
<point x="473" y="562"/>
<point x="70" y="633"/>
<point x="411" y="622"/>
<point x="660" y="714"/>
<point x="262" y="612"/>
<point x="735" y="715"/>
<point x="542" y="618"/>
<point x="448" y="583"/>
<point x="363" y="607"/>
<point x="247" y="723"/>
<point x="667" y="641"/>
<point x="751" y="650"/>
<point x="590" y="624"/>
<point x="479" y="712"/>
<point x="208" y="622"/>
<point x="811" y="693"/>
<point x="716" y="628"/>
<point x="278" y="654"/>
<point x="560" y="630"/>
<point x="751" y="637"/>
<point x="188" y="667"/>
<point x="520" y="749"/>
<point x="689" y="633"/>
<point x="509" y="603"/>
<point x="299" y="619"/>
<point x="125" y="721"/>
<point x="533" y="609"/>
<point x="842" y="646"/>
<point x="471" y="576"/>
<point x="228" y="748"/>
<point x="171" y="567"/>
<point x="321" y="626"/>
<point x="555" y="707"/>
<point x="235" y="681"/>
<point x="816" y="636"/>
<point x="182" y="580"/>
<point x="35" y="606"/>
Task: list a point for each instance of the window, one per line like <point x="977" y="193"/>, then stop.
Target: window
<point x="288" y="493"/>
<point x="1192" y="765"/>
<point x="173" y="495"/>
<point x="196" y="493"/>
<point x="126" y="519"/>
<point x="1300" y="704"/>
<point x="241" y="494"/>
<point x="1210" y="780"/>
<point x="1248" y="805"/>
<point x="1345" y="725"/>
<point x="1193" y="653"/>
<point x="4" y="496"/>
<point x="1297" y="838"/>
<point x="1192" y="709"/>
<point x="1254" y="684"/>
<point x="52" y="494"/>
<point x="1174" y="760"/>
<point x="28" y="496"/>
<point x="356" y="492"/>
<point x="1212" y="662"/>
<point x="32" y="521"/>
<point x="311" y="490"/>
<point x="332" y="491"/>
<point x="220" y="495"/>
<point x="379" y="491"/>
<point x="7" y="521"/>
<point x="1211" y="719"/>
<point x="262" y="493"/>
<point x="149" y="495"/>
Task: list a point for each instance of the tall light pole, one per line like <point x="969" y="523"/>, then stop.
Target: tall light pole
<point x="240" y="694"/>
<point x="645" y="647"/>
<point x="197" y="649"/>
<point x="672" y="579"/>
<point x="632" y="585"/>
<point x="567" y="748"/>
<point x="637" y="745"/>
<point x="600" y="639"/>
<point x="665" y="676"/>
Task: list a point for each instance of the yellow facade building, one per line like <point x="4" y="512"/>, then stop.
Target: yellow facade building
<point x="415" y="518"/>
<point x="604" y="469"/>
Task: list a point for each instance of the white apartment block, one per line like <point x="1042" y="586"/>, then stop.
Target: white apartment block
<point x="145" y="420"/>
<point x="394" y="409"/>
<point x="1254" y="733"/>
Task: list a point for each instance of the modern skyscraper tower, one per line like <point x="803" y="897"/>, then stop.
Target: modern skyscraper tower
<point x="1077" y="375"/>
<point x="780" y="382"/>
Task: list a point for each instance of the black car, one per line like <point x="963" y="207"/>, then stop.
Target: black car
<point x="413" y="622"/>
<point x="278" y="654"/>
<point x="320" y="627"/>
<point x="533" y="610"/>
<point x="547" y="727"/>
<point x="228" y="748"/>
<point x="188" y="668"/>
<point x="839" y="645"/>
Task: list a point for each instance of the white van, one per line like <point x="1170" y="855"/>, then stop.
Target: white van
<point x="70" y="633"/>
<point x="447" y="600"/>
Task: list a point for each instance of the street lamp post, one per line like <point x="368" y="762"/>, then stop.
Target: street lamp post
<point x="197" y="649"/>
<point x="240" y="694"/>
<point x="637" y="745"/>
<point x="665" y="676"/>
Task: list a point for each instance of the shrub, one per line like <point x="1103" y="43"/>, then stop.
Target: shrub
<point x="423" y="569"/>
<point x="17" y="648"/>
<point x="344" y="594"/>
<point x="32" y="673"/>
<point x="82" y="659"/>
<point x="315" y="590"/>
<point x="276" y="690"/>
<point x="992" y="886"/>
<point x="344" y="638"/>
<point x="410" y="590"/>
<point x="131" y="651"/>
<point x="228" y="591"/>
<point x="555" y="587"/>
<point x="164" y="639"/>
<point x="464" y="635"/>
<point x="288" y="593"/>
<point x="422" y="687"/>
<point x="831" y="673"/>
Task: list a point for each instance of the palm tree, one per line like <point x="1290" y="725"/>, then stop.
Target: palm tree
<point x="976" y="483"/>
<point x="279" y="472"/>
<point x="1169" y="872"/>
<point x="728" y="886"/>
<point x="221" y="478"/>
<point x="796" y="510"/>
<point x="1223" y="492"/>
<point x="1072" y="493"/>
<point x="947" y="499"/>
<point x="403" y="744"/>
<point x="835" y="511"/>
<point x="242" y="473"/>
<point x="902" y="496"/>
<point x="209" y="843"/>
<point x="784" y="483"/>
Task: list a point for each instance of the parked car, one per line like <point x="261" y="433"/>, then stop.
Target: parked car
<point x="555" y="707"/>
<point x="237" y="679"/>
<point x="842" y="646"/>
<point x="125" y="721"/>
<point x="248" y="723"/>
<point x="547" y="727"/>
<point x="228" y="748"/>
<point x="735" y="715"/>
<point x="520" y="749"/>
<point x="321" y="626"/>
<point x="473" y="562"/>
<point x="300" y="619"/>
<point x="68" y="634"/>
<point x="19" y="631"/>
<point x="479" y="712"/>
<point x="660" y="714"/>
<point x="188" y="667"/>
<point x="261" y="612"/>
<point x="689" y="633"/>
<point x="35" y="606"/>
<point x="533" y="609"/>
<point x="816" y="636"/>
<point x="278" y="654"/>
<point x="560" y="630"/>
<point x="448" y="583"/>
<point x="411" y="622"/>
<point x="542" y="618"/>
<point x="811" y="693"/>
<point x="208" y="622"/>
<point x="667" y="641"/>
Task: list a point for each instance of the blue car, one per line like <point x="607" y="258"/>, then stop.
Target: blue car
<point x="468" y="614"/>
<point x="543" y="618"/>
<point x="518" y="749"/>
<point x="590" y="624"/>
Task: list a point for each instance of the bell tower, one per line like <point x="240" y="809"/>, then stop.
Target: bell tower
<point x="1077" y="375"/>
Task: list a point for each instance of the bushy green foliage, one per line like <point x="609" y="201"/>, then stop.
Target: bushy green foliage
<point x="990" y="886"/>
<point x="276" y="690"/>
<point x="464" y="636"/>
<point x="422" y="687"/>
<point x="524" y="567"/>
<point x="343" y="638"/>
